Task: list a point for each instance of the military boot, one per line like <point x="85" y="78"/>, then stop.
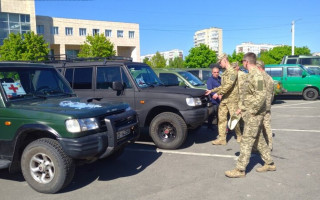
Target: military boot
<point x="235" y="173"/>
<point x="266" y="167"/>
<point x="219" y="142"/>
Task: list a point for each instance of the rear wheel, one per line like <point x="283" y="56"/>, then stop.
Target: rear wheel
<point x="310" y="94"/>
<point x="45" y="166"/>
<point x="168" y="130"/>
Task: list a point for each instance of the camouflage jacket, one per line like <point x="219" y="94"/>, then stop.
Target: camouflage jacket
<point x="229" y="86"/>
<point x="255" y="93"/>
<point x="242" y="85"/>
<point x="269" y="87"/>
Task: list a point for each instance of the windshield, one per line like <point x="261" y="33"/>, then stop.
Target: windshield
<point x="308" y="70"/>
<point x="192" y="79"/>
<point x="144" y="76"/>
<point x="314" y="70"/>
<point x="21" y="82"/>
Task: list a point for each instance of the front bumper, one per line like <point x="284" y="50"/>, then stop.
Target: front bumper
<point x="196" y="117"/>
<point x="100" y="145"/>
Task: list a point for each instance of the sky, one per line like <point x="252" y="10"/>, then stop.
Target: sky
<point x="171" y="24"/>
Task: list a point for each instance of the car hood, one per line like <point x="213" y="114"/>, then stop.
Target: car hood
<point x="176" y="90"/>
<point x="70" y="106"/>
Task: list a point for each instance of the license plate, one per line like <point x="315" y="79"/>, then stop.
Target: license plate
<point x="123" y="133"/>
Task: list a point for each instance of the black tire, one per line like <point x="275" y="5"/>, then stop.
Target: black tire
<point x="46" y="155"/>
<point x="310" y="94"/>
<point x="168" y="130"/>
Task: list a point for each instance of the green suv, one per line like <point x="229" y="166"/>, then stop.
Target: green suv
<point x="296" y="79"/>
<point x="179" y="77"/>
<point x="46" y="130"/>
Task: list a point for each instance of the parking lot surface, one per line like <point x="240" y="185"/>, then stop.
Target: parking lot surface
<point x="196" y="170"/>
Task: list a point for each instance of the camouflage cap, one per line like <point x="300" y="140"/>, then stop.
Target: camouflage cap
<point x="222" y="56"/>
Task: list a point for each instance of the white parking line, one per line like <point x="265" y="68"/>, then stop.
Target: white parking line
<point x="183" y="153"/>
<point x="290" y="105"/>
<point x="297" y="130"/>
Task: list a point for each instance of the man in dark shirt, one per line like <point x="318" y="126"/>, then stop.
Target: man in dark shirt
<point x="213" y="82"/>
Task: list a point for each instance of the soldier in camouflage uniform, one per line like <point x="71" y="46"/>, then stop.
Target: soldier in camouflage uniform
<point x="230" y="98"/>
<point x="267" y="132"/>
<point x="254" y="109"/>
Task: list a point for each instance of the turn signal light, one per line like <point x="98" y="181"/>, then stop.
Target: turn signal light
<point x="7" y="123"/>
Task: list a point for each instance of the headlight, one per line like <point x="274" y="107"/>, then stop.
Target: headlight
<point x="78" y="125"/>
<point x="193" y="101"/>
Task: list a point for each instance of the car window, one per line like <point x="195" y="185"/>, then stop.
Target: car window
<point x="294" y="71"/>
<point x="206" y="75"/>
<point x="169" y="79"/>
<point x="192" y="79"/>
<point x="144" y="75"/>
<point x="310" y="61"/>
<point x="79" y="78"/>
<point x="107" y="75"/>
<point x="292" y="61"/>
<point x="274" y="72"/>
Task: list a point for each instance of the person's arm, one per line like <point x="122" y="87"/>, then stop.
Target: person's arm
<point x="227" y="84"/>
<point x="257" y="85"/>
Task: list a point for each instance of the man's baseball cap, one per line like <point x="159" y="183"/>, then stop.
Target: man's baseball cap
<point x="222" y="56"/>
<point x="233" y="121"/>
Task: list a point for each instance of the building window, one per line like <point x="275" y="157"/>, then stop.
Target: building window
<point x="131" y="34"/>
<point x="108" y="33"/>
<point x="72" y="54"/>
<point x="69" y="31"/>
<point x="40" y="29"/>
<point x="82" y="31"/>
<point x="54" y="30"/>
<point x="95" y="31"/>
<point x="120" y="34"/>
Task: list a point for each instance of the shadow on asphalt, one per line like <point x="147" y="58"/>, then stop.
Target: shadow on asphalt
<point x="128" y="164"/>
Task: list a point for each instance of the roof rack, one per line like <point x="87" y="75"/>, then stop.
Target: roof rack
<point x="57" y="59"/>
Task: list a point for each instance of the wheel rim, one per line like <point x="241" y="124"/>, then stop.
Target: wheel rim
<point x="42" y="168"/>
<point x="167" y="132"/>
<point x="310" y="94"/>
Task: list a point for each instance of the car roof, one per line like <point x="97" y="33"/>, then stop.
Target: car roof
<point x="282" y="65"/>
<point x="23" y="64"/>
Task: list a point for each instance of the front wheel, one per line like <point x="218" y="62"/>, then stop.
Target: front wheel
<point x="45" y="166"/>
<point x="168" y="130"/>
<point x="310" y="94"/>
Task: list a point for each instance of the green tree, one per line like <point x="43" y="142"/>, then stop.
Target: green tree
<point x="236" y="57"/>
<point x="200" y="57"/>
<point x="158" y="61"/>
<point x="275" y="55"/>
<point x="28" y="47"/>
<point x="177" y="62"/>
<point x="146" y="60"/>
<point x="96" y="46"/>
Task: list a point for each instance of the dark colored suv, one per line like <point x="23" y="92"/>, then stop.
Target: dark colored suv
<point x="46" y="130"/>
<point x="166" y="111"/>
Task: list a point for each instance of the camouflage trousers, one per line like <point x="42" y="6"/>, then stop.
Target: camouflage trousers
<point x="224" y="109"/>
<point x="253" y="137"/>
<point x="267" y="132"/>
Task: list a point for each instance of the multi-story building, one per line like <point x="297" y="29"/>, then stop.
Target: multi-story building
<point x="254" y="48"/>
<point x="66" y="35"/>
<point x="167" y="55"/>
<point x="211" y="37"/>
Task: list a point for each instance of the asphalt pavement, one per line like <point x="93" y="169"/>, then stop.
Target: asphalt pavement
<point x="196" y="170"/>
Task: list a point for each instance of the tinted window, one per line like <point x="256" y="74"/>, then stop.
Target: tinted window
<point x="310" y="61"/>
<point x="274" y="72"/>
<point x="107" y="75"/>
<point x="80" y="78"/>
<point x="294" y="71"/>
<point x="169" y="79"/>
<point x="292" y="61"/>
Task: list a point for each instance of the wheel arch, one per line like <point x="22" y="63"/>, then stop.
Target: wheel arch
<point x="24" y="136"/>
<point x="157" y="110"/>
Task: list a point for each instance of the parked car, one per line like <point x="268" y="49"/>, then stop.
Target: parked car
<point x="179" y="77"/>
<point x="46" y="130"/>
<point x="314" y="69"/>
<point x="167" y="112"/>
<point x="202" y="73"/>
<point x="301" y="59"/>
<point x="296" y="79"/>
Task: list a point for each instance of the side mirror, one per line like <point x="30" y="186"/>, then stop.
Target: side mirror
<point x="304" y="74"/>
<point x="118" y="86"/>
